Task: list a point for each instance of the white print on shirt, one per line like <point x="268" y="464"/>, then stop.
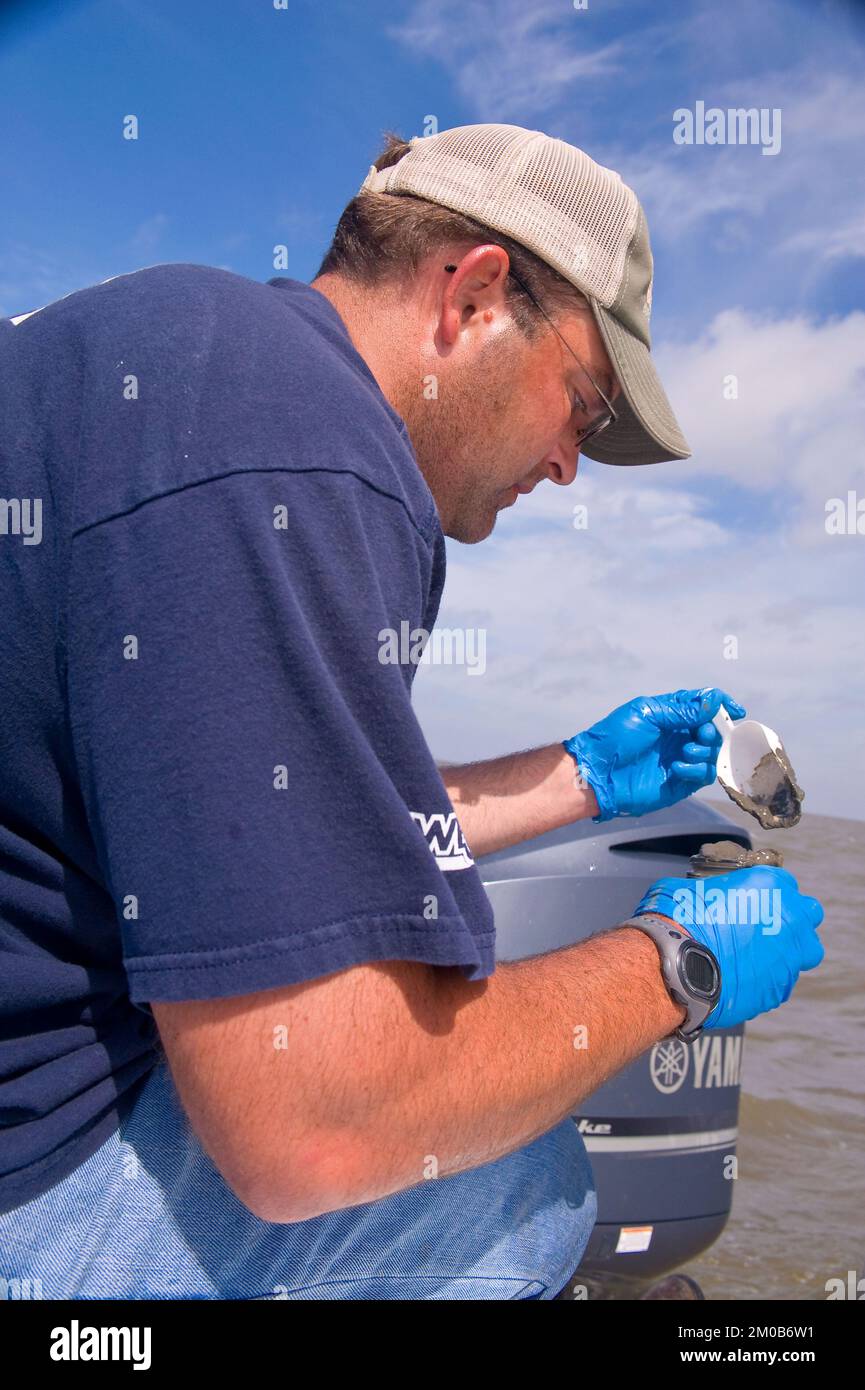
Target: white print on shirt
<point x="445" y="838"/>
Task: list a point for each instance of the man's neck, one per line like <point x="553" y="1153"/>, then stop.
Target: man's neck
<point x="352" y="309"/>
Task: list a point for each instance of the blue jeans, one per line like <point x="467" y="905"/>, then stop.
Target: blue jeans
<point x="148" y="1216"/>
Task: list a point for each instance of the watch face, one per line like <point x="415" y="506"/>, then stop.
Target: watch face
<point x="700" y="971"/>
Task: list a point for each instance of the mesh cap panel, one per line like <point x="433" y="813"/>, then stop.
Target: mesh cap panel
<point x="546" y="194"/>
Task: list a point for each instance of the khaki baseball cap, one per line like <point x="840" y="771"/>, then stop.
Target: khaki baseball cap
<point x="582" y="220"/>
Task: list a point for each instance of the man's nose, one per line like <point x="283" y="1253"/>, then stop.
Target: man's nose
<point x="562" y="464"/>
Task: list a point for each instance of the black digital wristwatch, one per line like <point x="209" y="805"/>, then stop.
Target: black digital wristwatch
<point x="691" y="971"/>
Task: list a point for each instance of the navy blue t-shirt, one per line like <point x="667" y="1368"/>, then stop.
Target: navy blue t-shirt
<point x="211" y="782"/>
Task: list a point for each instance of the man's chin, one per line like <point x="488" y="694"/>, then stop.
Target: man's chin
<point x="471" y="528"/>
<point x="470" y="531"/>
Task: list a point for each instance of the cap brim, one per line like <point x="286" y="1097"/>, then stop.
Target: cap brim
<point x="645" y="430"/>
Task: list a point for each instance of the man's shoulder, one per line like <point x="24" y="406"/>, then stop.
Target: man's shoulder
<point x="170" y="287"/>
<point x="176" y="308"/>
<point x="200" y="295"/>
<point x="191" y="371"/>
<point x="162" y="317"/>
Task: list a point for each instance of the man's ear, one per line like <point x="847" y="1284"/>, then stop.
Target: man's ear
<point x="476" y="285"/>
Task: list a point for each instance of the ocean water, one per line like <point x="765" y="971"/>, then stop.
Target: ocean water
<point x="798" y="1215"/>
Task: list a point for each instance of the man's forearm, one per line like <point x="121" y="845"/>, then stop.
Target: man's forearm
<point x="463" y="1073"/>
<point x="506" y="800"/>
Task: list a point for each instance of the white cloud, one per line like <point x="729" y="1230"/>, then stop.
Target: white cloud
<point x="148" y="233"/>
<point x="830" y="243"/>
<point x="508" y="58"/>
<point x="783" y="199"/>
<point x="798" y="423"/>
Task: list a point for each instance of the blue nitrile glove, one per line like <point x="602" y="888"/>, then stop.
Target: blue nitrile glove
<point x="760" y="928"/>
<point x="653" y="751"/>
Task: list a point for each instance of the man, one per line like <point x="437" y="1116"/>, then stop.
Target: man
<point x="253" y="1042"/>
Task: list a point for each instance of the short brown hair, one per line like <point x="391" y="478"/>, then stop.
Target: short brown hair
<point x="380" y="235"/>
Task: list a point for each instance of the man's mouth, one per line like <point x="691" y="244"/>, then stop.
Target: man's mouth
<point x="517" y="490"/>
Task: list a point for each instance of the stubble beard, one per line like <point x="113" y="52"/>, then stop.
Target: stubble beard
<point x="451" y="437"/>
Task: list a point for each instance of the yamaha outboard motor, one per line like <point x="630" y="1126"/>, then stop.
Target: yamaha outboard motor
<point x="661" y="1134"/>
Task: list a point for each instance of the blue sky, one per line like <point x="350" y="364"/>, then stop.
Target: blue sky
<point x="256" y="127"/>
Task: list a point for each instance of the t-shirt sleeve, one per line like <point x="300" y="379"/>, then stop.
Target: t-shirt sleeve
<point x="261" y="796"/>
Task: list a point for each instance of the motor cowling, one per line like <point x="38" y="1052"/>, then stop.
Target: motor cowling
<point x="661" y="1135"/>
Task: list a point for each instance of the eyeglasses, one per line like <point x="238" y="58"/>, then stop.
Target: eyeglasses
<point x="603" y="418"/>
